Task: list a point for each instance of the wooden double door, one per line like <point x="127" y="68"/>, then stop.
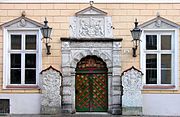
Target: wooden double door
<point x="91" y="85"/>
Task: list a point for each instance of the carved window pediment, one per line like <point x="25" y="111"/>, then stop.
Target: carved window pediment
<point x="22" y="22"/>
<point x="91" y="11"/>
<point x="91" y="23"/>
<point x="159" y="23"/>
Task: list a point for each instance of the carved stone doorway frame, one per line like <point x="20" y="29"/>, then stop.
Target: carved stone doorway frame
<point x="73" y="50"/>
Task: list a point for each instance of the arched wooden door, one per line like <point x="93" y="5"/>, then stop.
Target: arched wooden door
<point x="91" y="85"/>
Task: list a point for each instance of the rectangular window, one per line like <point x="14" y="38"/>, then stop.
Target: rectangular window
<point x="158" y="55"/>
<point x="4" y="106"/>
<point x="23" y="59"/>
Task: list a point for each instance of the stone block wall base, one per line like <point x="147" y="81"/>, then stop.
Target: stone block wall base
<point x="131" y="110"/>
<point x="50" y="110"/>
<point x="67" y="108"/>
<point x="115" y="111"/>
<point x="66" y="111"/>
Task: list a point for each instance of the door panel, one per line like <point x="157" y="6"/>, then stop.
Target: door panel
<point x="99" y="92"/>
<point x="91" y="85"/>
<point x="82" y="92"/>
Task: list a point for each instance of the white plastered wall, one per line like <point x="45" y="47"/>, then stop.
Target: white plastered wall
<point x="23" y="103"/>
<point x="161" y="104"/>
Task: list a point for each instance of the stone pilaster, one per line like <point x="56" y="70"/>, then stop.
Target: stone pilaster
<point x="116" y="84"/>
<point x="67" y="78"/>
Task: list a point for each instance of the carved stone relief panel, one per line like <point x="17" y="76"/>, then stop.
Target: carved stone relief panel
<point x="132" y="86"/>
<point x="50" y="82"/>
<point x="91" y="27"/>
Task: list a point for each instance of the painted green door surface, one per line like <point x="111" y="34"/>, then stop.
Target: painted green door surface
<point x="91" y="85"/>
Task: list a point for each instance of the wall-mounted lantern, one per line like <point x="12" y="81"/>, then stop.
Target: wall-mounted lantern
<point x="136" y="34"/>
<point x="46" y="32"/>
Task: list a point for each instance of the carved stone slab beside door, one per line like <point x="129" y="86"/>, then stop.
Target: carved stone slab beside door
<point x="132" y="97"/>
<point x="50" y="82"/>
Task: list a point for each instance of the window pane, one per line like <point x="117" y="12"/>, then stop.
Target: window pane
<point x="16" y="42"/>
<point x="30" y="60"/>
<point x="15" y="60"/>
<point x="15" y="76"/>
<point x="151" y="42"/>
<point x="4" y="106"/>
<point x="165" y="61"/>
<point x="30" y="76"/>
<point x="151" y="61"/>
<point x="151" y="76"/>
<point x="165" y="42"/>
<point x="30" y="42"/>
<point x="165" y="76"/>
<point x="151" y="69"/>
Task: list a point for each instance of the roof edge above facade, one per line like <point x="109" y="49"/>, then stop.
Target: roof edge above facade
<point x="87" y="1"/>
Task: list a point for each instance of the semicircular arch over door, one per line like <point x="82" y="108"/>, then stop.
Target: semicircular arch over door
<point x="91" y="85"/>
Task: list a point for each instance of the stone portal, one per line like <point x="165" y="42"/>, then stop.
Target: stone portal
<point x="91" y="35"/>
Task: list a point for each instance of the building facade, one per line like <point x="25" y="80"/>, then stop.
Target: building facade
<point x="91" y="67"/>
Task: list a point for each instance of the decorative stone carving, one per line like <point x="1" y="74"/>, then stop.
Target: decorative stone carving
<point x="65" y="44"/>
<point x="159" y="23"/>
<point x="117" y="45"/>
<point x="78" y="54"/>
<point x="22" y="23"/>
<point x="50" y="82"/>
<point x="132" y="86"/>
<point x="90" y="23"/>
<point x="73" y="27"/>
<point x="91" y="27"/>
<point x="108" y="27"/>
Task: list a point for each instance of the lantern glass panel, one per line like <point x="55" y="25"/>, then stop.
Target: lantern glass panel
<point x="136" y="34"/>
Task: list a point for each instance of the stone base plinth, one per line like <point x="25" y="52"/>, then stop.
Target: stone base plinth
<point x="131" y="110"/>
<point x="50" y="110"/>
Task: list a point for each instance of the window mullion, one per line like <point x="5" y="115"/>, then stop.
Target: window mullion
<point x="159" y="60"/>
<point x="159" y="68"/>
<point x="23" y="60"/>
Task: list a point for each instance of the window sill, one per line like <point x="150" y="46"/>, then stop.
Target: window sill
<point x="22" y="87"/>
<point x="156" y="87"/>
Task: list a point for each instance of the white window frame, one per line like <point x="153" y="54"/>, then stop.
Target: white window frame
<point x="174" y="53"/>
<point x="6" y="56"/>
